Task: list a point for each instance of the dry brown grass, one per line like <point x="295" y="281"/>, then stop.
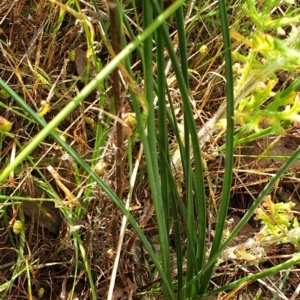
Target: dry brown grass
<point x="35" y="62"/>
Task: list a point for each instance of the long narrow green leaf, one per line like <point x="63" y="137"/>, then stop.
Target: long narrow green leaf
<point x="199" y="183"/>
<point x="162" y="122"/>
<point x="192" y="226"/>
<point x="225" y="198"/>
<point x="155" y="182"/>
<point x="175" y="201"/>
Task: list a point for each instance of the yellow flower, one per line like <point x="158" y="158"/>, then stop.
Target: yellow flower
<point x="5" y="125"/>
<point x="17" y="227"/>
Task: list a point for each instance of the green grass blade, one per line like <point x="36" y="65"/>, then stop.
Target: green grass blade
<point x="191" y="127"/>
<point x="162" y="123"/>
<point x="195" y="223"/>
<point x="152" y="160"/>
<point x="287" y="265"/>
<point x="225" y="198"/>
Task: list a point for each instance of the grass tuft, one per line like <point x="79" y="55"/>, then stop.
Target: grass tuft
<point x="149" y="149"/>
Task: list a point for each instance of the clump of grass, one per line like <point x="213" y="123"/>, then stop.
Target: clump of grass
<point x="70" y="134"/>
